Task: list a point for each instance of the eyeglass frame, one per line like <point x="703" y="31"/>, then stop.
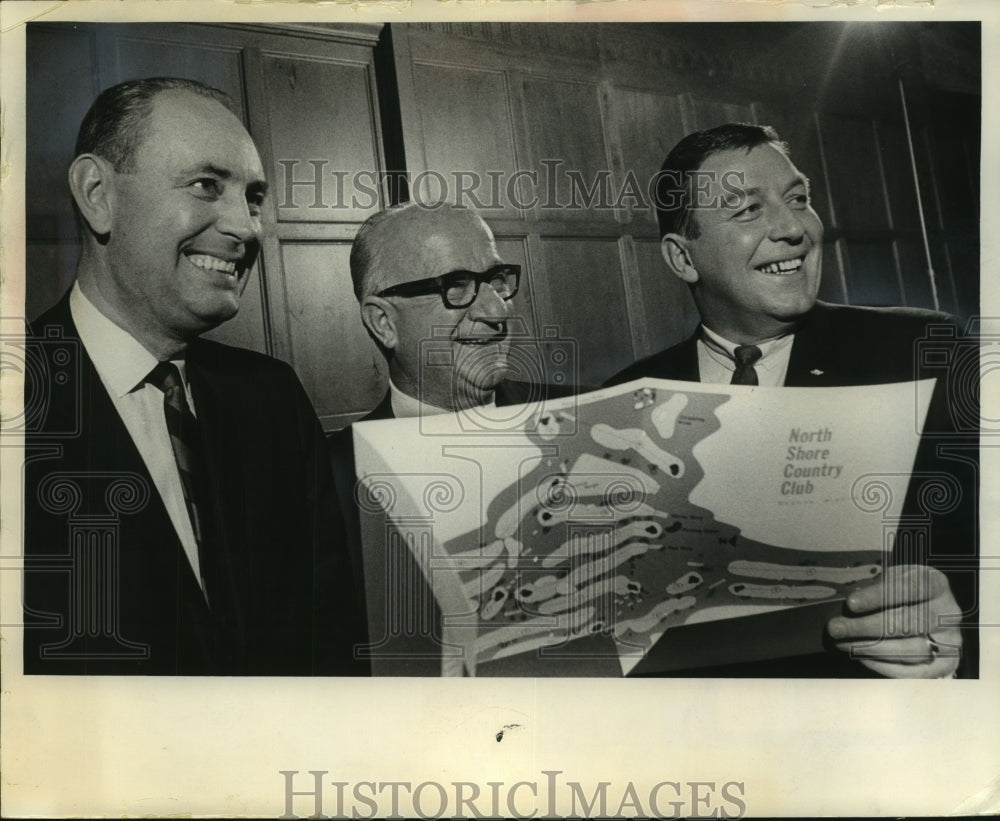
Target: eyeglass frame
<point x="439" y="285"/>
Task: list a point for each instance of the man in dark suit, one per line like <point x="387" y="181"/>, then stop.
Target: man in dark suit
<point x="737" y="226"/>
<point x="180" y="516"/>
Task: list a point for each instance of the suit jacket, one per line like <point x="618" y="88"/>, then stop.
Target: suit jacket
<point x="835" y="346"/>
<point x="840" y="345"/>
<point x="108" y="589"/>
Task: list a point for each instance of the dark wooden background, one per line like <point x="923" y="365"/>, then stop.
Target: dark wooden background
<point x="508" y="97"/>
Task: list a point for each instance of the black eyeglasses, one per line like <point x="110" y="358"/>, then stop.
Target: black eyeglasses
<point x="459" y="289"/>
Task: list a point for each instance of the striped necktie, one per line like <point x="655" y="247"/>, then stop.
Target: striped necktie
<point x="745" y="356"/>
<point x="188" y="452"/>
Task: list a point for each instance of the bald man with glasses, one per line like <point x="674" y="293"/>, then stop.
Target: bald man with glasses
<point x="435" y="296"/>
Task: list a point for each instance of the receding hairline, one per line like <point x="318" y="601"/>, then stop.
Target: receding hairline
<point x="387" y="234"/>
<point x="116" y="121"/>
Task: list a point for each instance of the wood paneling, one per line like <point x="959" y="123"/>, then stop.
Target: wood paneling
<point x="642" y="126"/>
<point x="603" y="101"/>
<point x="322" y="122"/>
<point x="339" y="364"/>
<point x="245" y="330"/>
<point x="467" y="131"/>
<point x="833" y="285"/>
<point x="872" y="277"/>
<point x="566" y="148"/>
<point x="59" y="61"/>
<point x="184" y="54"/>
<point x="895" y="156"/>
<point x="702" y="112"/>
<point x="912" y="263"/>
<point x="668" y="310"/>
<point x="582" y="272"/>
<point x="856" y="181"/>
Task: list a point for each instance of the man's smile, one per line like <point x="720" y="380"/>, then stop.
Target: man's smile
<point x="485" y="339"/>
<point x="207" y="262"/>
<point x="785" y="267"/>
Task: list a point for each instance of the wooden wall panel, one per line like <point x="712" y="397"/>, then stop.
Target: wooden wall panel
<point x="948" y="199"/>
<point x="950" y="279"/>
<point x="833" y="285"/>
<point x="321" y="111"/>
<point x="703" y="112"/>
<point x="466" y="126"/>
<point x="338" y="363"/>
<point x="245" y="330"/>
<point x="182" y="55"/>
<point x="902" y="194"/>
<point x="564" y="126"/>
<point x="951" y="203"/>
<point x="856" y="181"/>
<point x="583" y="278"/>
<point x="643" y="126"/>
<point x="872" y="278"/>
<point x="669" y="312"/>
<point x="912" y="261"/>
<point x="59" y="62"/>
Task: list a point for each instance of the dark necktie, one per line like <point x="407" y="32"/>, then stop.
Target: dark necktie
<point x="186" y="443"/>
<point x="745" y="356"/>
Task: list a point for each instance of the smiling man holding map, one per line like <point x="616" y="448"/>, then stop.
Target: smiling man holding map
<point x="737" y="226"/>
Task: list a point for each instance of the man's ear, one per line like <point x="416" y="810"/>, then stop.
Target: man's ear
<point x="675" y="252"/>
<point x="90" y="184"/>
<point x="379" y="318"/>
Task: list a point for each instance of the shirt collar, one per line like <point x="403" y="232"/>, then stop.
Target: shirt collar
<point x="405" y="406"/>
<point x="720" y="344"/>
<point x="119" y="358"/>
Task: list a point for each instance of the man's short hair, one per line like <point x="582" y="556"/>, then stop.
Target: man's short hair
<point x="113" y="127"/>
<point x="675" y="182"/>
<point x="374" y="251"/>
<point x="367" y="272"/>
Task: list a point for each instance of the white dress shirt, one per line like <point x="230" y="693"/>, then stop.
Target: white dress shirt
<point x="717" y="362"/>
<point x="405" y="406"/>
<point x="123" y="365"/>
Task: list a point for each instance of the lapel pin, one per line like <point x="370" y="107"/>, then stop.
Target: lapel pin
<point x="816" y="372"/>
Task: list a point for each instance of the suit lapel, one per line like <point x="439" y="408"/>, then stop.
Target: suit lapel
<point x="814" y="360"/>
<point x="102" y="432"/>
<point x="159" y="601"/>
<point x="688" y="359"/>
<point x="216" y="410"/>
